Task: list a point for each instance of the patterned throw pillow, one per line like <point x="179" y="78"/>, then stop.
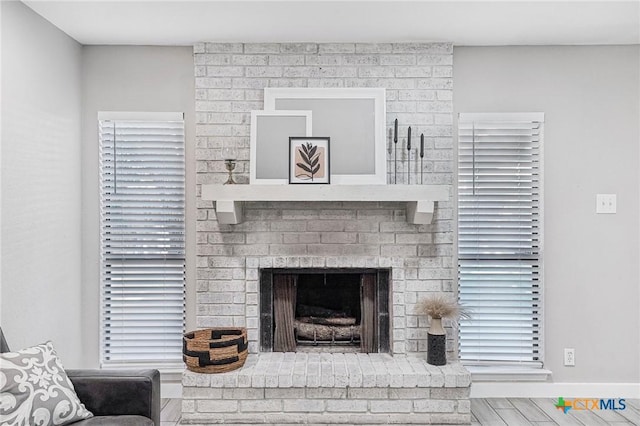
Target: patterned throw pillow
<point x="35" y="390"/>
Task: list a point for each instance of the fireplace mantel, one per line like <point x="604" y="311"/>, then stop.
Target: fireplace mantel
<point x="420" y="199"/>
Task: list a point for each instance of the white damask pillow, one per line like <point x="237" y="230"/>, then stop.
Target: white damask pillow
<point x="35" y="390"/>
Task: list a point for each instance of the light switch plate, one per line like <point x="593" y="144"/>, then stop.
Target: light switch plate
<point x="606" y="203"/>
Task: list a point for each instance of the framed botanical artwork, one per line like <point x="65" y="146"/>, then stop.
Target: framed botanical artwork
<point x="354" y="119"/>
<point x="269" y="143"/>
<point x="309" y="160"/>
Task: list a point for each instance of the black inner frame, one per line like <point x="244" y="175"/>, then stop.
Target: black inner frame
<point x="309" y="276"/>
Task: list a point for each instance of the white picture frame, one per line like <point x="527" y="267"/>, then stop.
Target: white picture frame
<point x="269" y="144"/>
<point x="354" y="119"/>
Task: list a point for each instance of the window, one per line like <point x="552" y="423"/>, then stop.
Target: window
<point x="142" y="204"/>
<point x="499" y="237"/>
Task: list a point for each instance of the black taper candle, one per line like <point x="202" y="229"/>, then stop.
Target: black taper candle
<point x="421" y="158"/>
<point x="409" y="156"/>
<point x="395" y="132"/>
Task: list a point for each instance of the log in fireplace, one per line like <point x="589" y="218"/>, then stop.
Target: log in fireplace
<point x="328" y="310"/>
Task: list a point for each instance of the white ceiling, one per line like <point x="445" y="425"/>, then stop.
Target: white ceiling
<point x="468" y="23"/>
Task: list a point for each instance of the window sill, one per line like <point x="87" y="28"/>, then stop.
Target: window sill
<point x="163" y="368"/>
<point x="507" y="374"/>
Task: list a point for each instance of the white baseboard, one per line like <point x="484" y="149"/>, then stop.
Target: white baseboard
<point x="554" y="390"/>
<point x="171" y="390"/>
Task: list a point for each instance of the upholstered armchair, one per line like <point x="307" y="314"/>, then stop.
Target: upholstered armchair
<point x="115" y="397"/>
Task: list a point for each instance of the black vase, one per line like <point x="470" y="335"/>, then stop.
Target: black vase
<point x="436" y="343"/>
<point x="436" y="349"/>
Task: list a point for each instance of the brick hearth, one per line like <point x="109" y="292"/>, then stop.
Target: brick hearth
<point x="322" y="388"/>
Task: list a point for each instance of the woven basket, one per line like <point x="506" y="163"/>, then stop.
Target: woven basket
<point x="215" y="350"/>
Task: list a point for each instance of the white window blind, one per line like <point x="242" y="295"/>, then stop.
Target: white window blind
<point x="142" y="180"/>
<point x="499" y="238"/>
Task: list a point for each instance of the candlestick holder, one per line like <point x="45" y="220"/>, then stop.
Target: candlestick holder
<point x="230" y="165"/>
<point x="229" y="154"/>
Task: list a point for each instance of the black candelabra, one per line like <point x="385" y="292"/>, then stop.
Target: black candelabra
<point x="408" y="146"/>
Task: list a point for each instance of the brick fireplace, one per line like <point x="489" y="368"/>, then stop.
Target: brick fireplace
<point x="391" y="382"/>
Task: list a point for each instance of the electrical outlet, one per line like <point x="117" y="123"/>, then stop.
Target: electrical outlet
<point x="569" y="357"/>
<point x="606" y="203"/>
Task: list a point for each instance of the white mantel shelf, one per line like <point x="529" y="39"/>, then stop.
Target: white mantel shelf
<point x="420" y="199"/>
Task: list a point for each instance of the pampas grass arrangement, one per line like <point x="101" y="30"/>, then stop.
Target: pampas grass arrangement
<point x="437" y="307"/>
<point x="441" y="306"/>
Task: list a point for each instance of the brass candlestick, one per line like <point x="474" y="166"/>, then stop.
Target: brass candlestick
<point x="229" y="154"/>
<point x="230" y="165"/>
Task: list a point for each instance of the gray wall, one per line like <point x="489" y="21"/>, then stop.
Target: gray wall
<point x="590" y="96"/>
<point x="40" y="281"/>
<point x="130" y="78"/>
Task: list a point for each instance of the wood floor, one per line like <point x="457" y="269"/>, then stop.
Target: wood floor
<point x="542" y="411"/>
<point x="170" y="414"/>
<point x="502" y="411"/>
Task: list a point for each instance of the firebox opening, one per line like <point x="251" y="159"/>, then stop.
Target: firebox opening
<point x="326" y="310"/>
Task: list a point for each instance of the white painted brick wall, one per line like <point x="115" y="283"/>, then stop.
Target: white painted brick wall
<point x="230" y="78"/>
